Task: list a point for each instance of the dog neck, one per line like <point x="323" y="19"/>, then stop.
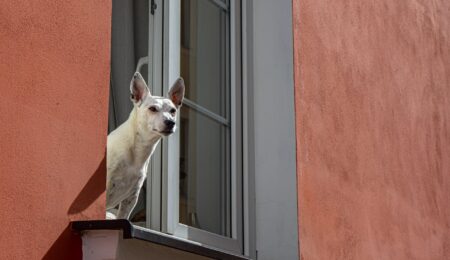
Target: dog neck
<point x="144" y="140"/>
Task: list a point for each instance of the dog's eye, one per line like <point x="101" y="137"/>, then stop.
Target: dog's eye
<point x="153" y="109"/>
<point x="173" y="111"/>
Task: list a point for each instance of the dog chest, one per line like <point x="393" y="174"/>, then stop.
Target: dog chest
<point x="126" y="182"/>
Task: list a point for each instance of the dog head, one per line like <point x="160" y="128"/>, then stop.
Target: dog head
<point x="156" y="114"/>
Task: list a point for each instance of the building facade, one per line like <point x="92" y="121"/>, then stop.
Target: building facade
<point x="333" y="116"/>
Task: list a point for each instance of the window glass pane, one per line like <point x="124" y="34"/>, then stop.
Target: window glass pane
<point x="203" y="173"/>
<point x="205" y="141"/>
<point x="203" y="54"/>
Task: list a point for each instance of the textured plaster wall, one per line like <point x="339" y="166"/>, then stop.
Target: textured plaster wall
<point x="373" y="128"/>
<point x="54" y="79"/>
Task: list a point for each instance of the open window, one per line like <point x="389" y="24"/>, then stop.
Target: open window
<point x="194" y="185"/>
<point x="207" y="184"/>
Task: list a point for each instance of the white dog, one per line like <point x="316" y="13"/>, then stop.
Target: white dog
<point x="130" y="146"/>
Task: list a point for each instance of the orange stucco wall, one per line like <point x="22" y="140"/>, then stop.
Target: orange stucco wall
<point x="373" y="128"/>
<point x="54" y="79"/>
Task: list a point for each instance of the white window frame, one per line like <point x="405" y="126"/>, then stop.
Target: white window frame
<point x="258" y="36"/>
<point x="163" y="177"/>
<point x="155" y="68"/>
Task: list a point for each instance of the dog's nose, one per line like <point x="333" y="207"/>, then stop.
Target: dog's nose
<point x="169" y="123"/>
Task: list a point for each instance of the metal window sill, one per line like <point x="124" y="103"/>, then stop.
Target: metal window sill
<point x="131" y="231"/>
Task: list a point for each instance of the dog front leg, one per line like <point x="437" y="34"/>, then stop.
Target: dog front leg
<point x="126" y="206"/>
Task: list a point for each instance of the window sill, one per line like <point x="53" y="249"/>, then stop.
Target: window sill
<point x="130" y="231"/>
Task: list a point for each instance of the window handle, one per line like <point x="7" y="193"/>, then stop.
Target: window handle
<point x="153" y="7"/>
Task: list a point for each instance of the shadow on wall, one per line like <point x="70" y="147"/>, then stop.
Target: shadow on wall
<point x="91" y="191"/>
<point x="67" y="246"/>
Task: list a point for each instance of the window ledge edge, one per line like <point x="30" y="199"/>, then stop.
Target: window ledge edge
<point x="130" y="231"/>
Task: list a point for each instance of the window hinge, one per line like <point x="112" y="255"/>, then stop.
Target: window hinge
<point x="153" y="7"/>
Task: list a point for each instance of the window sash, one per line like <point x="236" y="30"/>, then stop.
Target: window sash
<point x="206" y="112"/>
<point x="170" y="146"/>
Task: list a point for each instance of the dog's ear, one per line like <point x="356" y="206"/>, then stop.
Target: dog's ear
<point x="138" y="88"/>
<point x="176" y="92"/>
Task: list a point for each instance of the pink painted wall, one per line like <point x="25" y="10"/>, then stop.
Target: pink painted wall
<point x="54" y="79"/>
<point x="373" y="128"/>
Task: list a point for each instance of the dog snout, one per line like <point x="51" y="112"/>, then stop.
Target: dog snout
<point x="169" y="123"/>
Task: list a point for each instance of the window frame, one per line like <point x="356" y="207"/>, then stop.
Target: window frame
<point x="162" y="201"/>
<point x="155" y="70"/>
<point x="170" y="146"/>
<point x="259" y="35"/>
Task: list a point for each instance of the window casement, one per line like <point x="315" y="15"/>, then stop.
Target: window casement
<point x="194" y="186"/>
<point x="204" y="196"/>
